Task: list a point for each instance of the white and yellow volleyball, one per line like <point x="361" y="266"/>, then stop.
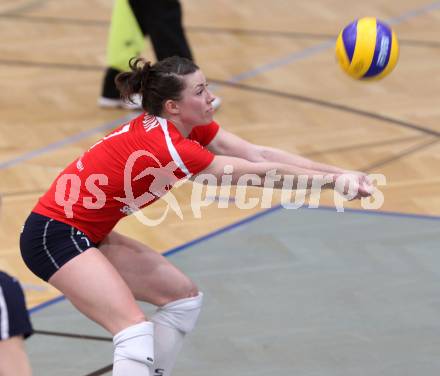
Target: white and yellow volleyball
<point x="367" y="49"/>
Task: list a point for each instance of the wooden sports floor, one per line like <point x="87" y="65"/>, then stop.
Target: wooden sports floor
<point x="273" y="65"/>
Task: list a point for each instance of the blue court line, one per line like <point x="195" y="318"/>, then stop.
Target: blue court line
<point x="296" y="56"/>
<point x="46" y="304"/>
<point x="250" y="219"/>
<point x="379" y="213"/>
<point x="64" y="142"/>
<point x="256" y="216"/>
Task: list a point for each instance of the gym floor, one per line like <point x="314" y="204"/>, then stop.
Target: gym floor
<point x="308" y="291"/>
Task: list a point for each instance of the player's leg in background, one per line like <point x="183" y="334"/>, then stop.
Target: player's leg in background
<point x="125" y="40"/>
<point x="162" y="20"/>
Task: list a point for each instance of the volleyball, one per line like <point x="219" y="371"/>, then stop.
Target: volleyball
<point x="367" y="49"/>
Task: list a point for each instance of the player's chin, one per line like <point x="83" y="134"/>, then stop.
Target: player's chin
<point x="202" y="120"/>
<point x="208" y="117"/>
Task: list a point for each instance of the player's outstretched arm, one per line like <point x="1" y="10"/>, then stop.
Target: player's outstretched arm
<point x="242" y="172"/>
<point x="228" y="144"/>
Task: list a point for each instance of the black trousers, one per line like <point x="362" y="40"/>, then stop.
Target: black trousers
<point x="161" y="20"/>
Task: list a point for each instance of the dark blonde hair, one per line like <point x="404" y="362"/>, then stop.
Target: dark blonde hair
<point x="155" y="83"/>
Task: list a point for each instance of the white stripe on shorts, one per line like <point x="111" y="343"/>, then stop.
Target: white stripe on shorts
<point x="72" y="232"/>
<point x="45" y="246"/>
<point x="4" y="319"/>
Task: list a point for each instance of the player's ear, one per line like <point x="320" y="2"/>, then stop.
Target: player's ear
<point x="171" y="107"/>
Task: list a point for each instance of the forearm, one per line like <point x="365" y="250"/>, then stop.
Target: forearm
<point x="269" y="154"/>
<point x="295" y="177"/>
<point x="278" y="175"/>
<point x="241" y="172"/>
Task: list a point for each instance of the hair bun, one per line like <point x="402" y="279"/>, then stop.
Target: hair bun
<point x="145" y="72"/>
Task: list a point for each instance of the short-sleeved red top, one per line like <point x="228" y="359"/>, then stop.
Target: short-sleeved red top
<point x="126" y="170"/>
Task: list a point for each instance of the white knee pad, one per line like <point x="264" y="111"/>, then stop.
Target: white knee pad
<point x="135" y="343"/>
<point x="181" y="314"/>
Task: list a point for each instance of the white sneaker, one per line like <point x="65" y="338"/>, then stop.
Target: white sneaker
<point x="216" y="103"/>
<point x="136" y="105"/>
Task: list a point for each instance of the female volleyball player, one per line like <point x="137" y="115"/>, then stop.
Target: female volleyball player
<point x="68" y="238"/>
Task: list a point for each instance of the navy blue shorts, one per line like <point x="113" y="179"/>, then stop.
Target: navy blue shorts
<point x="47" y="244"/>
<point x="14" y="317"/>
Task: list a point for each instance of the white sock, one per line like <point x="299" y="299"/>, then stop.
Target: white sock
<point x="167" y="345"/>
<point x="171" y="323"/>
<point x="134" y="350"/>
<point x="128" y="367"/>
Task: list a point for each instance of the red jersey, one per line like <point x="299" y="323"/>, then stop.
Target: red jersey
<point x="126" y="170"/>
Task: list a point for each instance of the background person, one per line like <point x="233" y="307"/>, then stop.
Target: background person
<point x="15" y="326"/>
<point x="131" y="22"/>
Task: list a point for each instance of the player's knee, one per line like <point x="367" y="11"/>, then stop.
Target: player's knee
<point x="190" y="290"/>
<point x="135" y="343"/>
<point x="185" y="289"/>
<point x="180" y="314"/>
